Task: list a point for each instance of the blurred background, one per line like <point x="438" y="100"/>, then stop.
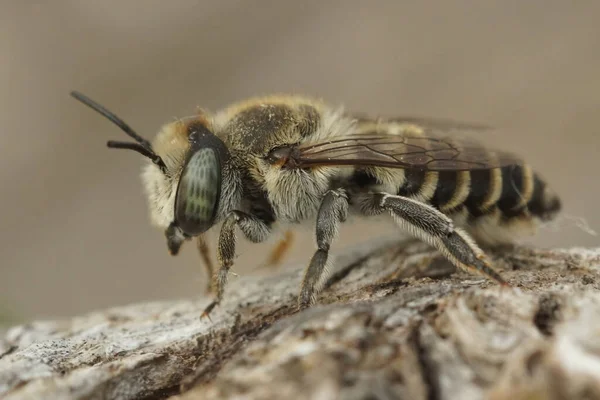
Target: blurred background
<point x="75" y="235"/>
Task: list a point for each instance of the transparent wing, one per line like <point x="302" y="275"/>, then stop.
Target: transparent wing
<point x="404" y="143"/>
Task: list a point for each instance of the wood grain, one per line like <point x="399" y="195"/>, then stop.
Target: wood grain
<point x="393" y="321"/>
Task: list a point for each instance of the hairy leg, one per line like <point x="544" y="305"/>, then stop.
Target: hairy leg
<point x="333" y="211"/>
<point x="253" y="228"/>
<point x="436" y="229"/>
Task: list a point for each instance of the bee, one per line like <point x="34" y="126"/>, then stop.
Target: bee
<point x="289" y="159"/>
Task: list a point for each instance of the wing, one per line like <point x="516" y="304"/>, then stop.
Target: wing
<point x="403" y="143"/>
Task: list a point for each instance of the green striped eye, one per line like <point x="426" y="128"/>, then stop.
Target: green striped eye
<point x="198" y="192"/>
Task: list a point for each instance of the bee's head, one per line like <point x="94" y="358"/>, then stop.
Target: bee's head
<point x="184" y="184"/>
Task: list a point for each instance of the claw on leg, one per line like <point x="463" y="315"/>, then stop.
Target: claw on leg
<point x="208" y="310"/>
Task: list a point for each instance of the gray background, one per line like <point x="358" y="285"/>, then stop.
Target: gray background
<point x="75" y="235"/>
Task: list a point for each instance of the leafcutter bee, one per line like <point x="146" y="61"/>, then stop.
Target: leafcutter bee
<point x="291" y="159"/>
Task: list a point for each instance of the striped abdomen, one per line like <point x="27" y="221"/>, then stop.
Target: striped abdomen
<point x="514" y="190"/>
<point x="499" y="196"/>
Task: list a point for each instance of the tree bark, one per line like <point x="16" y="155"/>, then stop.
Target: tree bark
<point x="393" y="321"/>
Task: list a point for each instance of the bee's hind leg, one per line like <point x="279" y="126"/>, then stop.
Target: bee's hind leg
<point x="436" y="229"/>
<point x="332" y="212"/>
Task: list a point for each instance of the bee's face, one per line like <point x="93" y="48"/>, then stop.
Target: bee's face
<point x="187" y="193"/>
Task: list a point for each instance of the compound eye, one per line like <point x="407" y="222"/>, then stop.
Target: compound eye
<point x="198" y="192"/>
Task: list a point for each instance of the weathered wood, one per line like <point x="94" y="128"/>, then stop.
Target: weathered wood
<point x="394" y="321"/>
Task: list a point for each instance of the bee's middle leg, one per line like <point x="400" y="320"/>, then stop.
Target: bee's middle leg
<point x="435" y="228"/>
<point x="333" y="211"/>
<point x="253" y="228"/>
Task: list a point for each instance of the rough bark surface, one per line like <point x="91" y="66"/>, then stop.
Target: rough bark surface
<point x="394" y="321"/>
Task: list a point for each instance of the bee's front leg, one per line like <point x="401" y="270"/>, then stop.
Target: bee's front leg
<point x="255" y="229"/>
<point x="333" y="211"/>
